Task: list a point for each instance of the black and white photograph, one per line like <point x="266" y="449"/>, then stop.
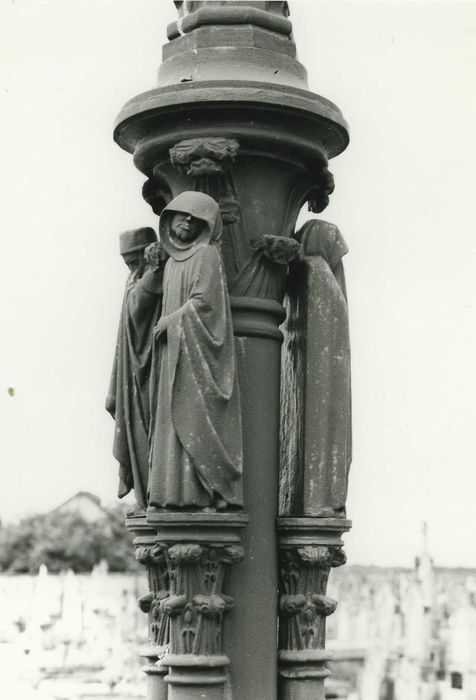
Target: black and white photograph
<point x="238" y="375"/>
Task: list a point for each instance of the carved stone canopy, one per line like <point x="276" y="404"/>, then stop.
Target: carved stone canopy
<point x="228" y="64"/>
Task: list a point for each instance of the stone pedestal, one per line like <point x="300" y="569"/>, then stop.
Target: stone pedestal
<point x="155" y="672"/>
<point x="308" y="549"/>
<point x="204" y="679"/>
<point x="199" y="550"/>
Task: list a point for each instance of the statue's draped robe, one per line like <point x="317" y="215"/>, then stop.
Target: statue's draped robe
<point x="196" y="436"/>
<point x="318" y="318"/>
<point x="128" y="395"/>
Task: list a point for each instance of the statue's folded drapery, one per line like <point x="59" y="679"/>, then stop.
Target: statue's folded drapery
<point x="196" y="437"/>
<point x="316" y="437"/>
<point x="128" y="395"/>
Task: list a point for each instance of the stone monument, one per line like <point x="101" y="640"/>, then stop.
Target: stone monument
<point x="248" y="438"/>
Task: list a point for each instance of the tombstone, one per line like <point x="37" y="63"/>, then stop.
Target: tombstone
<point x="462" y="651"/>
<point x="70" y="623"/>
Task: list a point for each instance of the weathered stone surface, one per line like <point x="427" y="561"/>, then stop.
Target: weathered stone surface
<point x="199" y="550"/>
<point x="196" y="448"/>
<point x="128" y="396"/>
<point x="316" y="444"/>
<point x="308" y="549"/>
<point x="232" y="117"/>
<point x="151" y="555"/>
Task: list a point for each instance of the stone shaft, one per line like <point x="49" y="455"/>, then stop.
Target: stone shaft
<point x="251" y="628"/>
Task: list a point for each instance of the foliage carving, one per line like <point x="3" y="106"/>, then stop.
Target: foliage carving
<point x="204" y="156"/>
<point x="304" y="605"/>
<point x="197" y="603"/>
<point x="156" y="601"/>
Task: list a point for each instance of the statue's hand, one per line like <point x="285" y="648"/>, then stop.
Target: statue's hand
<point x="155" y="256"/>
<point x="159" y="329"/>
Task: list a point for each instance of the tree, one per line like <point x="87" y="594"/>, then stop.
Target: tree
<point x="66" y="540"/>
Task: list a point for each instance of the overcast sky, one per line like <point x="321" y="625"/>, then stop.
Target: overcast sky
<point x="403" y="75"/>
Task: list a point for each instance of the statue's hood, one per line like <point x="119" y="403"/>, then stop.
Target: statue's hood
<point x="321" y="238"/>
<point x="202" y="207"/>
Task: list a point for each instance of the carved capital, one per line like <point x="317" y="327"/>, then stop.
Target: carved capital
<point x="148" y="554"/>
<point x="318" y="199"/>
<point x="199" y="550"/>
<point x="204" y="156"/>
<point x="304" y="605"/>
<point x="152" y="556"/>
<point x="309" y="548"/>
<point x="197" y="603"/>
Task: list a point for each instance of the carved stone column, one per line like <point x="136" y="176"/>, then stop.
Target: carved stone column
<point x="232" y="117"/>
<point x="308" y="549"/>
<point x="199" y="550"/>
<point x="153" y="559"/>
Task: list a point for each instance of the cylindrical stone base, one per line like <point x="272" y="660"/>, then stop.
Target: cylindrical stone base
<point x="302" y="675"/>
<point x="156" y="686"/>
<point x="196" y="677"/>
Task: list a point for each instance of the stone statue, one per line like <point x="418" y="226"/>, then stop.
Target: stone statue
<point x="196" y="437"/>
<point x="316" y="396"/>
<point x="128" y="396"/>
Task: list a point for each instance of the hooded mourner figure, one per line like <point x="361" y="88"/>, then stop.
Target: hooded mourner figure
<point x="196" y="453"/>
<point x="320" y="321"/>
<point x="128" y="396"/>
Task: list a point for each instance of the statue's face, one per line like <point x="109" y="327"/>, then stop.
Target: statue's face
<point x="185" y="227"/>
<point x="134" y="260"/>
